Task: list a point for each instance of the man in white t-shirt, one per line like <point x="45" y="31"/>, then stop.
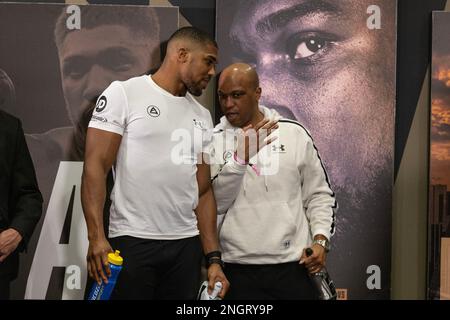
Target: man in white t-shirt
<point x="163" y="209"/>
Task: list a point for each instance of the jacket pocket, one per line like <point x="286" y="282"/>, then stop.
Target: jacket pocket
<point x="264" y="229"/>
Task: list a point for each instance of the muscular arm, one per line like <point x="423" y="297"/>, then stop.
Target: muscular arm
<point x="206" y="212"/>
<point x="101" y="152"/>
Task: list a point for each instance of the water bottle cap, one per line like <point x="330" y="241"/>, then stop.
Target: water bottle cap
<point x="115" y="258"/>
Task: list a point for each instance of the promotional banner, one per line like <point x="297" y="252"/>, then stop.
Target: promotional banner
<point x="439" y="199"/>
<point x="55" y="60"/>
<point x="330" y="65"/>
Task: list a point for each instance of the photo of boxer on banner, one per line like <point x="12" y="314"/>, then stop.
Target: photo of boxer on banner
<point x="331" y="66"/>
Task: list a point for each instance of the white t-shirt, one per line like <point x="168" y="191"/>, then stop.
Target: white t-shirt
<point x="155" y="190"/>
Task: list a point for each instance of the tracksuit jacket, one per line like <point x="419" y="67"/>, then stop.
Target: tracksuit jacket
<point x="270" y="209"/>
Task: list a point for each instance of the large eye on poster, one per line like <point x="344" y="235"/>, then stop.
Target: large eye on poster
<point x="55" y="61"/>
<point x="439" y="201"/>
<point x="330" y="65"/>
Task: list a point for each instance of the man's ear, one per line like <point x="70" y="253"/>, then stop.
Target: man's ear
<point x="258" y="93"/>
<point x="182" y="54"/>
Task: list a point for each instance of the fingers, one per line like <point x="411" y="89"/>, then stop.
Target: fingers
<point x="215" y="274"/>
<point x="270" y="124"/>
<point x="211" y="282"/>
<point x="266" y="131"/>
<point x="261" y="124"/>
<point x="251" y="139"/>
<point x="247" y="127"/>
<point x="93" y="271"/>
<point x="91" y="275"/>
<point x="99" y="269"/>
<point x="4" y="254"/>
<point x="272" y="139"/>
<point x="107" y="268"/>
<point x="303" y="257"/>
<point x="225" y="287"/>
<point x="313" y="263"/>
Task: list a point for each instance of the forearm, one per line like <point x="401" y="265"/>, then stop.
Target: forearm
<point x="93" y="193"/>
<point x="207" y="221"/>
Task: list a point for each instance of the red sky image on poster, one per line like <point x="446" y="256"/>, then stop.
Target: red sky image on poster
<point x="439" y="200"/>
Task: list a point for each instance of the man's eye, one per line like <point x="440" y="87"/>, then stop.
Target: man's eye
<point x="75" y="72"/>
<point x="75" y="75"/>
<point x="117" y="62"/>
<point x="309" y="47"/>
<point x="211" y="63"/>
<point x="237" y="95"/>
<point x="122" y="67"/>
<point x="306" y="49"/>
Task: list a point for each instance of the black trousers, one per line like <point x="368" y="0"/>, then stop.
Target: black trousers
<point x="4" y="287"/>
<point x="8" y="272"/>
<point x="286" y="281"/>
<point x="158" y="269"/>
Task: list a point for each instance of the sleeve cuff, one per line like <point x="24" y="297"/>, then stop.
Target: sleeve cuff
<point x="237" y="167"/>
<point x="106" y="127"/>
<point x="322" y="232"/>
<point x="23" y="245"/>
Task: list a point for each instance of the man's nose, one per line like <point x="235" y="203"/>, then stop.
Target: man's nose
<point x="229" y="102"/>
<point x="97" y="81"/>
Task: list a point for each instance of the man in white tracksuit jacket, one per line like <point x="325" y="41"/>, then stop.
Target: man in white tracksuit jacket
<point x="274" y="203"/>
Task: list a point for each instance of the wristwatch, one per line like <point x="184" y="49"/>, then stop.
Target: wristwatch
<point x="324" y="243"/>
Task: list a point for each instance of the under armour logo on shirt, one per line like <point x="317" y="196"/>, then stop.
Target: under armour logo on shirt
<point x="280" y="149"/>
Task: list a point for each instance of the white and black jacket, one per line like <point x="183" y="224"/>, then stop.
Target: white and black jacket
<point x="270" y="218"/>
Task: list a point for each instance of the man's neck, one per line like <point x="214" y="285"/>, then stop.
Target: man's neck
<point x="169" y="83"/>
<point x="259" y="116"/>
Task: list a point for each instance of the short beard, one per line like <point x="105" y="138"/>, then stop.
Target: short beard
<point x="195" y="91"/>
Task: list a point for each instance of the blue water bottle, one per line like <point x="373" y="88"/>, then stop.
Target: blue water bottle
<point x="103" y="290"/>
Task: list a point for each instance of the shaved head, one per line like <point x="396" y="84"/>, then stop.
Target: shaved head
<point x="242" y="70"/>
<point x="239" y="94"/>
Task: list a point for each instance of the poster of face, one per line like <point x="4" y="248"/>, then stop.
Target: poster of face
<point x="439" y="193"/>
<point x="330" y="65"/>
<point x="55" y="60"/>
